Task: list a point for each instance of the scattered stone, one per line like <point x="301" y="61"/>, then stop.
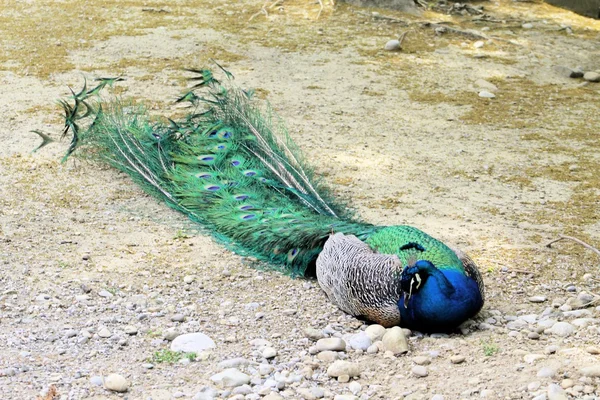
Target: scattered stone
<point x="533" y="335"/>
<point x="375" y="332"/>
<point x="178" y="318"/>
<point x="355" y="387"/>
<point x="585" y="298"/>
<point x="130" y="330"/>
<point x="192" y="343"/>
<point x="105" y="293"/>
<point x="592" y="76"/>
<point x="116" y="383"/>
<point x="373" y="349"/>
<point x="97" y="380"/>
<point x="392" y="45"/>
<point x="457" y="359"/>
<point x="562" y="329"/>
<point x="341" y="367"/>
<point x="170" y="334"/>
<point x="555" y="392"/>
<point x="527" y="25"/>
<point x="188" y="279"/>
<point x="235" y="362"/>
<point x="419" y="371"/>
<point x="537" y="299"/>
<point x="421" y="360"/>
<point x="546" y="372"/>
<point x="333" y="344"/>
<point x="104" y="333"/>
<point x="313" y="334"/>
<point x="328" y="356"/>
<point x="147" y="366"/>
<point x="478" y="44"/>
<point x="269" y="352"/>
<point x="486" y="95"/>
<point x="591" y="371"/>
<point x="343" y="378"/>
<point x="593" y="350"/>
<point x="359" y="341"/>
<point x="395" y="341"/>
<point x="231" y="377"/>
<point x="273" y="396"/>
<point x="345" y="397"/>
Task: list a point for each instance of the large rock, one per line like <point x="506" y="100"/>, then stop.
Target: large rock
<point x="192" y="343"/>
<point x="589" y="8"/>
<point x="395" y="341"/>
<point x="408" y="6"/>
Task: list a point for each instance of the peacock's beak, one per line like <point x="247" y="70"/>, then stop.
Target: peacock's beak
<point x="406" y="299"/>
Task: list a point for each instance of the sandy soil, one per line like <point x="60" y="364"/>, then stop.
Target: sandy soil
<point x="402" y="136"/>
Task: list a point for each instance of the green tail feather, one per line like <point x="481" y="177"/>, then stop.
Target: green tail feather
<point x="230" y="168"/>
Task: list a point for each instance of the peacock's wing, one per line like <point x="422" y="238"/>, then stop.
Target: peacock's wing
<point x="471" y="270"/>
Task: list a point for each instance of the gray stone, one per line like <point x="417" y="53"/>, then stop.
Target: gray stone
<point x="375" y="332"/>
<point x="97" y="380"/>
<point x="562" y="329"/>
<point x="457" y="359"/>
<point x="486" y="95"/>
<point x="340" y="367"/>
<point x="104" y="333"/>
<point x="592" y="371"/>
<point x="170" y="334"/>
<point x="231" y="377"/>
<point x="355" y="387"/>
<point x="527" y="25"/>
<point x="332" y="344"/>
<point x="192" y="343"/>
<point x="105" y="293"/>
<point x="178" y="318"/>
<point x="116" y="383"/>
<point x="555" y="392"/>
<point x="546" y="372"/>
<point x="328" y="356"/>
<point x="345" y="397"/>
<point x="421" y="360"/>
<point x="592" y="76"/>
<point x="483" y="84"/>
<point x="130" y="330"/>
<point x="392" y="45"/>
<point x="419" y="371"/>
<point x="359" y="341"/>
<point x="269" y="352"/>
<point x="537" y="299"/>
<point x="395" y="341"/>
<point x="313" y="334"/>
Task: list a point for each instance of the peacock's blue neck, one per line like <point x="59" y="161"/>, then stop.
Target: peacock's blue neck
<point x="446" y="299"/>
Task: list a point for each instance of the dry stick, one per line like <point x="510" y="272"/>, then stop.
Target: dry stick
<point x="278" y="2"/>
<point x="581" y="242"/>
<point x="472" y="35"/>
<point x="263" y="10"/>
<point x="320" y="8"/>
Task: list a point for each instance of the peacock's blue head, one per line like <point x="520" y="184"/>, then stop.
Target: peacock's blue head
<point x="436" y="300"/>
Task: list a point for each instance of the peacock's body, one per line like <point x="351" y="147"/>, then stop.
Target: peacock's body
<point x="237" y="174"/>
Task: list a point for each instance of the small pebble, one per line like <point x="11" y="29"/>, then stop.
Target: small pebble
<point x="392" y="45"/>
<point x="527" y="25"/>
<point x="457" y="359"/>
<point x="592" y="76"/>
<point x="478" y="44"/>
<point x="486" y="95"/>
<point x="395" y="341"/>
<point x="269" y="352"/>
<point x="333" y="344"/>
<point x="375" y="332"/>
<point x="537" y="299"/>
<point x="116" y="383"/>
<point x="419" y="371"/>
<point x="421" y="360"/>
<point x="341" y="367"/>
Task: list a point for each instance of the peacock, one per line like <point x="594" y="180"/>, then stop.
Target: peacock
<point x="232" y="168"/>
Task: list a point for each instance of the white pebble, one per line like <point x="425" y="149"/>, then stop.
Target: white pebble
<point x="116" y="383"/>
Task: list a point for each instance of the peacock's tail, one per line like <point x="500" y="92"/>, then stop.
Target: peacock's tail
<point x="228" y="166"/>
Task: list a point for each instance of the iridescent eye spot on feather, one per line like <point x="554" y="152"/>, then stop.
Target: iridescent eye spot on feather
<point x="250" y="172"/>
<point x="292" y="254"/>
<point x="212" y="134"/>
<point x="236" y="163"/>
<point x="247" y="217"/>
<point x="212" y="188"/>
<point x="225" y="134"/>
<point x="240" y="197"/>
<point x="207" y="159"/>
<point x="246" y="207"/>
<point x="204" y="175"/>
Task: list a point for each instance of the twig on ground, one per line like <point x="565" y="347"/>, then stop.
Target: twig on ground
<point x="581" y="242"/>
<point x="263" y="10"/>
<point x="320" y="8"/>
<point x="384" y="17"/>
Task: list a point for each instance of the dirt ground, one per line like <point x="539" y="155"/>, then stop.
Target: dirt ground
<point x="402" y="136"/>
